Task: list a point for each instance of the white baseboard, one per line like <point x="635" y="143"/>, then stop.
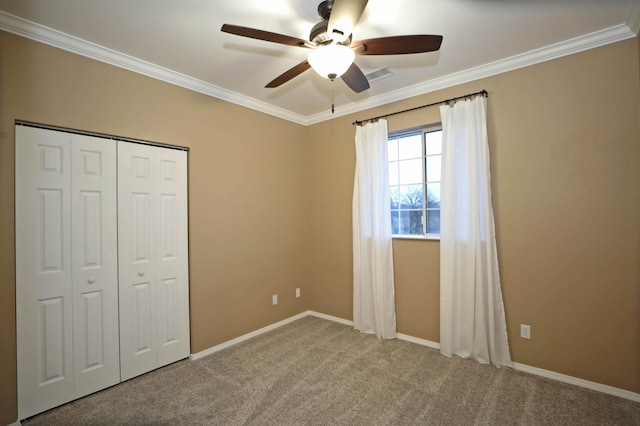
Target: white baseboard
<point x="546" y="373"/>
<point x="400" y="336"/>
<point x="578" y="382"/>
<point x="17" y="423"/>
<point x="247" y="336"/>
<point x="434" y="345"/>
<point x="330" y="318"/>
<point x="419" y="341"/>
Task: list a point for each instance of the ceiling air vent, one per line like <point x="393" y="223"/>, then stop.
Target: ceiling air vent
<point x="379" y="74"/>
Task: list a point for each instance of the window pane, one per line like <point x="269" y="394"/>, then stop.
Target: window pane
<point x="393" y="149"/>
<point x="411" y="222"/>
<point x="433" y="195"/>
<point x="433" y="221"/>
<point x="410" y="147"/>
<point x="410" y="171"/>
<point x="395" y="222"/>
<point x="411" y="196"/>
<point x="393" y="173"/>
<point x="434" y="172"/>
<point x="415" y="174"/>
<point x="433" y="140"/>
<point x="394" y="193"/>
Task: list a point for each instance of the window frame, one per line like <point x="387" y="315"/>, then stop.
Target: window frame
<point x="423" y="130"/>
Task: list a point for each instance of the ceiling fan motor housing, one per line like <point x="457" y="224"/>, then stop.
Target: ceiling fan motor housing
<point x="324" y="9"/>
<point x="319" y="34"/>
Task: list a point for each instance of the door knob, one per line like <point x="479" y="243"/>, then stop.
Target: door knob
<point x="91" y="280"/>
<point x="140" y="272"/>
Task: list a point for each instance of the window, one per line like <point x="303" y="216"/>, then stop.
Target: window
<point x="415" y="159"/>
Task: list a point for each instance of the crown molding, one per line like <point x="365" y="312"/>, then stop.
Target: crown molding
<point x="40" y="33"/>
<point x="34" y="31"/>
<point x="633" y="17"/>
<point x="547" y="53"/>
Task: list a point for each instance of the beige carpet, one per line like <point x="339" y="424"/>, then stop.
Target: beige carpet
<point x="318" y="372"/>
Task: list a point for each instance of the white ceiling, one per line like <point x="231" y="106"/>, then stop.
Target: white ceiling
<point x="181" y="42"/>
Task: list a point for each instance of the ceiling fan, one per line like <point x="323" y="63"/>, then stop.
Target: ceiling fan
<point x="332" y="49"/>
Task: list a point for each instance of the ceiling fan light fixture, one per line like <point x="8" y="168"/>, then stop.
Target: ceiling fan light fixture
<point x="332" y="60"/>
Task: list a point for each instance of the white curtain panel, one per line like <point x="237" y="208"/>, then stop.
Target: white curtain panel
<point x="472" y="320"/>
<point x="373" y="288"/>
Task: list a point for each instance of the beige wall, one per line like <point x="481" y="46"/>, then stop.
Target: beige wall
<point x="247" y="187"/>
<point x="565" y="146"/>
<point x="270" y="203"/>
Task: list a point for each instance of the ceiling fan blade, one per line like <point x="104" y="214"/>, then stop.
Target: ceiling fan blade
<point x="289" y="74"/>
<point x="345" y="14"/>
<point x="397" y="45"/>
<point x="355" y="79"/>
<point x="265" y="35"/>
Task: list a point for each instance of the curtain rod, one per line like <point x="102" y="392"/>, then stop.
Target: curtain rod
<point x="446" y="101"/>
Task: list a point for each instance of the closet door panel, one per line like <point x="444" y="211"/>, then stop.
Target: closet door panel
<point x="101" y="264"/>
<point x="172" y="259"/>
<point x="136" y="252"/>
<point x="153" y="257"/>
<point x="43" y="270"/>
<point x="95" y="264"/>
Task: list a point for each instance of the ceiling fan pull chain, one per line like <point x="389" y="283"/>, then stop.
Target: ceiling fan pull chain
<point x="333" y="109"/>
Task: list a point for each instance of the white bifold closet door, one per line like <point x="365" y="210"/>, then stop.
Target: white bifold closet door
<point x="66" y="267"/>
<point x="153" y="263"/>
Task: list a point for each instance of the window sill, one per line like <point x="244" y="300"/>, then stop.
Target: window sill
<point x="416" y="237"/>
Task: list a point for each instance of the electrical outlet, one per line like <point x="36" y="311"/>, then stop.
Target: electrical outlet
<point x="274" y="299"/>
<point x="525" y="331"/>
<point x="297" y="292"/>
